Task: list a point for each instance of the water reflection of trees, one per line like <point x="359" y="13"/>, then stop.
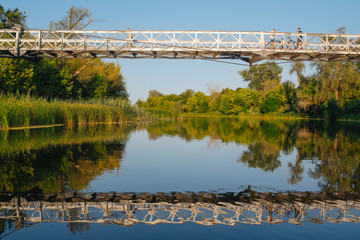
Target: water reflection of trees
<point x="332" y="148"/>
<point x="55" y="160"/>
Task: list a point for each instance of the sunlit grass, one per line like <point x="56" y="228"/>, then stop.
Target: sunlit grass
<point x="24" y="111"/>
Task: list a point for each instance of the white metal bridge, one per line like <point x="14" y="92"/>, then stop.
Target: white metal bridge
<point x="247" y="46"/>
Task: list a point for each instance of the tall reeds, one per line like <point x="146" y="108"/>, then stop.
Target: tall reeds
<point x="25" y="111"/>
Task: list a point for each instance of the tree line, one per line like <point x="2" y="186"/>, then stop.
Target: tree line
<point x="332" y="90"/>
<point x="59" y="78"/>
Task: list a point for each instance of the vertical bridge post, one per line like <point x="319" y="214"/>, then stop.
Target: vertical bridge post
<point x="40" y="33"/>
<point x="262" y="42"/>
<point x="17" y="43"/>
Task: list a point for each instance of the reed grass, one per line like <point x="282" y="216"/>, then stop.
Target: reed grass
<point x="25" y="111"/>
<point x="162" y="114"/>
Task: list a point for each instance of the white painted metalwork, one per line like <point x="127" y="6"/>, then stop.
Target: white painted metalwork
<point x="248" y="46"/>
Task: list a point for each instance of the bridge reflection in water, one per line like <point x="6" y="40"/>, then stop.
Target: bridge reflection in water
<point x="126" y="209"/>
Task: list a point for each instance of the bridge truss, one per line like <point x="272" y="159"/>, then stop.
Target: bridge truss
<point x="247" y="46"/>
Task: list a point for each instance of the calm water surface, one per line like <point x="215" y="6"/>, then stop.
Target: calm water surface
<point x="190" y="178"/>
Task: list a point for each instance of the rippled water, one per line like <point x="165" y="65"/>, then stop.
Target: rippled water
<point x="209" y="177"/>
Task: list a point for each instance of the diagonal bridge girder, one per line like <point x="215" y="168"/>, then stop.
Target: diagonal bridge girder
<point x="246" y="46"/>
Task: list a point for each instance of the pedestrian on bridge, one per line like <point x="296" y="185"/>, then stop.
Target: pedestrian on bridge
<point x="300" y="39"/>
<point x="130" y="37"/>
<point x="272" y="38"/>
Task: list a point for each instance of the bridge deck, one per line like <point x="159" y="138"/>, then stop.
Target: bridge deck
<point x="248" y="46"/>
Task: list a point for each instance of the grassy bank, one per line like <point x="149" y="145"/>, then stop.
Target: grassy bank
<point x="25" y="111"/>
<point x="163" y="114"/>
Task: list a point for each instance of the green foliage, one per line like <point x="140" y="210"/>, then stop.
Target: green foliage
<point x="330" y="109"/>
<point x="330" y="92"/>
<point x="333" y="91"/>
<point x="154" y="93"/>
<point x="290" y="95"/>
<point x="52" y="80"/>
<point x="239" y="101"/>
<point x="257" y="75"/>
<point x="97" y="87"/>
<point x="270" y="104"/>
<point x="60" y="78"/>
<point x="273" y="100"/>
<point x="9" y="17"/>
<point x="305" y="94"/>
<point x="199" y="103"/>
<point x="16" y="75"/>
<point x="94" y="78"/>
<point x="353" y="106"/>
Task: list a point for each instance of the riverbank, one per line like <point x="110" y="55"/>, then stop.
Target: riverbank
<point x="26" y="111"/>
<point x="163" y="114"/>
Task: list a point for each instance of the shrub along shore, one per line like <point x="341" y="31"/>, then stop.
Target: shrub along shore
<point x="26" y="111"/>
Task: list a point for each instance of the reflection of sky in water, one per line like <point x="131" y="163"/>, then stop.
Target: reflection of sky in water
<point x="172" y="164"/>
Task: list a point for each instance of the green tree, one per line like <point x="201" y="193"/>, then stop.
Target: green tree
<point x="337" y="80"/>
<point x="154" y="93"/>
<point x="183" y="97"/>
<point x="330" y="109"/>
<point x="290" y="95"/>
<point x="273" y="100"/>
<point x="235" y="102"/>
<point x="306" y="94"/>
<point x="9" y="18"/>
<point x="16" y="75"/>
<point x="259" y="76"/>
<point x="298" y="68"/>
<point x="91" y="77"/>
<point x="52" y="80"/>
<point x="198" y="103"/>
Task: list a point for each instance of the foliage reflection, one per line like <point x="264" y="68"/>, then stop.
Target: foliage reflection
<point x="333" y="149"/>
<point x="59" y="159"/>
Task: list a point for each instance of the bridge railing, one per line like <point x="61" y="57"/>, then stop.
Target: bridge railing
<point x="18" y="42"/>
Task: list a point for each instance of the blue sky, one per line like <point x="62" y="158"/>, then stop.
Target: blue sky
<point x="175" y="76"/>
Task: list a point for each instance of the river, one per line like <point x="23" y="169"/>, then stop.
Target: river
<point x="183" y="179"/>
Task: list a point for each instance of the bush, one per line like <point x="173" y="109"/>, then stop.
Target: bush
<point x="353" y="107"/>
<point x="270" y="104"/>
<point x="330" y="109"/>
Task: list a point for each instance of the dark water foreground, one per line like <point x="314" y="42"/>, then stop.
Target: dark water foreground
<point x="192" y="178"/>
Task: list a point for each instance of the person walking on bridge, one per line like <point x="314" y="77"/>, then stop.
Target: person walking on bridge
<point x="272" y="38"/>
<point x="300" y="39"/>
<point x="130" y="37"/>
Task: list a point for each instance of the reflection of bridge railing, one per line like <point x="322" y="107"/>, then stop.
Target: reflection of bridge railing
<point x="248" y="46"/>
<point x="253" y="208"/>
